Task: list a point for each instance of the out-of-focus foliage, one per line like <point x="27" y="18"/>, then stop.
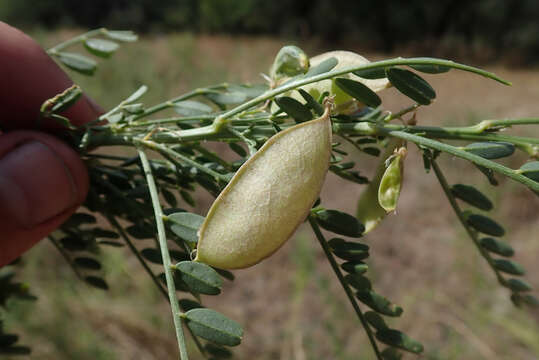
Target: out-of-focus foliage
<point x="504" y="27"/>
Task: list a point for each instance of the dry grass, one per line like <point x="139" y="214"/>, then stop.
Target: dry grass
<point x="291" y="305"/>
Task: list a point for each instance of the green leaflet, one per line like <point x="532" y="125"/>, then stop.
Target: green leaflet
<point x="200" y="278"/>
<point x="213" y="326"/>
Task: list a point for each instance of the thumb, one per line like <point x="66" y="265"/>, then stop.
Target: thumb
<point x="42" y="182"/>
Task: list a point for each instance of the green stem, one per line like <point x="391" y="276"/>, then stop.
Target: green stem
<point x="243" y="138"/>
<point x="487" y="124"/>
<point x="54" y="50"/>
<point x="161" y="234"/>
<point x="433" y="144"/>
<point x="172" y="120"/>
<point x="164" y="150"/>
<point x="344" y="284"/>
<point x="186" y="96"/>
<point x="474" y="132"/>
<point x="106" y="157"/>
<point x="149" y="271"/>
<point x="330" y="74"/>
<point x="188" y="119"/>
<point x="404" y="111"/>
<point x="472" y="233"/>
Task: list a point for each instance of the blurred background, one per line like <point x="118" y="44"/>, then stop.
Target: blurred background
<point x="290" y="305"/>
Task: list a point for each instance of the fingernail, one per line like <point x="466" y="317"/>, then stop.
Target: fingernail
<point x="35" y="184"/>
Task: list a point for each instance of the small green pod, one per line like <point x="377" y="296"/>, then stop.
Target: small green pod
<point x="391" y="183"/>
<point x="268" y="197"/>
<point x="369" y="212"/>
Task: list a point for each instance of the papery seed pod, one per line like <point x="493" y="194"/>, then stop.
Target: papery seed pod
<point x="346" y="59"/>
<point x="369" y="212"/>
<point x="268" y="197"/>
<point x="391" y="183"/>
<point x="344" y="103"/>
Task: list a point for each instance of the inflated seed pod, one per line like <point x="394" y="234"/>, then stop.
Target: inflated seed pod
<point x="391" y="183"/>
<point x="268" y="197"/>
<point x="369" y="212"/>
<point x="344" y="103"/>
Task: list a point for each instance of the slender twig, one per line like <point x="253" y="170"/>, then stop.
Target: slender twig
<point x="170" y="103"/>
<point x="77" y="39"/>
<point x="163" y="149"/>
<point x="404" y="111"/>
<point x="456" y="208"/>
<point x="161" y="234"/>
<point x="107" y="157"/>
<point x="149" y="271"/>
<point x="245" y="139"/>
<point x="344" y="284"/>
<point x="436" y="145"/>
<point x="330" y="74"/>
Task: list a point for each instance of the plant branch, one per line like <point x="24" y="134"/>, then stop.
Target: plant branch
<point x="347" y="290"/>
<point x="471" y="233"/>
<point x="433" y="144"/>
<point x="164" y="150"/>
<point x="175" y="307"/>
<point x="330" y="74"/>
<point x="149" y="271"/>
<point x="170" y="103"/>
<point x="77" y="39"/>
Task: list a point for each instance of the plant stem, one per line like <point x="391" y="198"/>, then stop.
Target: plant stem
<point x="149" y="271"/>
<point x="330" y="74"/>
<point x="472" y="233"/>
<point x="467" y="156"/>
<point x="347" y="290"/>
<point x="161" y="234"/>
<point x="164" y="150"/>
<point x="186" y="96"/>
<point x="404" y="111"/>
<point x="248" y="142"/>
<point x="54" y="50"/>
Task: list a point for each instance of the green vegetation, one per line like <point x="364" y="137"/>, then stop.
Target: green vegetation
<point x="484" y="29"/>
<point x="448" y="297"/>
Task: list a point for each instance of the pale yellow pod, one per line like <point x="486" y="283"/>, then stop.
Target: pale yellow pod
<point x="268" y="197"/>
<point x="344" y="103"/>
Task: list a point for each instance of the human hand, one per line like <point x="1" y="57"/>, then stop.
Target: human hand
<point x="42" y="180"/>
